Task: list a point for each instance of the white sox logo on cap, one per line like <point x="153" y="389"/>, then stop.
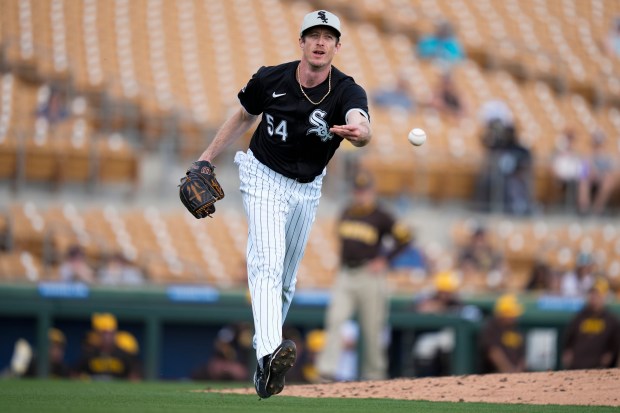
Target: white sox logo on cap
<point x="320" y="18"/>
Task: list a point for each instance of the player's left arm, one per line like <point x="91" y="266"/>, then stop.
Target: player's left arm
<point x="232" y="129"/>
<point x="357" y="129"/>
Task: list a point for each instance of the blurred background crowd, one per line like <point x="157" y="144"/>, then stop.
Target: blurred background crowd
<point x="103" y="104"/>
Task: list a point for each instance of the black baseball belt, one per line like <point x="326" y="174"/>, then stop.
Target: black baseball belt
<point x="305" y="180"/>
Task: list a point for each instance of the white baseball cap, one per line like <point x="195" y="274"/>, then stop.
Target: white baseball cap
<point x="320" y="18"/>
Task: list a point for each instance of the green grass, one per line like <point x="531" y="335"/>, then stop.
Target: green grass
<point x="25" y="396"/>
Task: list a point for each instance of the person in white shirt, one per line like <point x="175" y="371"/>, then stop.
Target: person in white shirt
<point x="577" y="282"/>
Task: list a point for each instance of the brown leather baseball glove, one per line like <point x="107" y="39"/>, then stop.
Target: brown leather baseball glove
<point x="199" y="189"/>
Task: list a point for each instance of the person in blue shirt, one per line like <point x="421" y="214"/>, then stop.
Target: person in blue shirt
<point x="397" y="96"/>
<point x="411" y="257"/>
<point x="442" y="46"/>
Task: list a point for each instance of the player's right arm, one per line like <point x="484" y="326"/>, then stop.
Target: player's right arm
<point x="238" y="124"/>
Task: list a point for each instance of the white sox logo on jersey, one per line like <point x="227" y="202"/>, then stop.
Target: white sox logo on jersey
<point x="317" y="118"/>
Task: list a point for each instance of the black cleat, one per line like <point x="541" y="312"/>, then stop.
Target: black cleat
<point x="271" y="369"/>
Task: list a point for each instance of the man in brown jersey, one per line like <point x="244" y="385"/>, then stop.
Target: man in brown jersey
<point x="360" y="286"/>
<point x="502" y="345"/>
<point x="592" y="338"/>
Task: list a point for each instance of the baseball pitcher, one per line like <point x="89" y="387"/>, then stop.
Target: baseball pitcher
<point x="306" y="108"/>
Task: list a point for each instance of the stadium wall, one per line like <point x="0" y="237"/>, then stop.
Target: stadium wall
<point x="176" y="326"/>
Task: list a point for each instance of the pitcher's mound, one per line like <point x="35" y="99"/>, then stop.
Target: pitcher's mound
<point x="577" y="387"/>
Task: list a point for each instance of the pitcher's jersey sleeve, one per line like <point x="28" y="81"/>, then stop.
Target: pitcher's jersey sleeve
<point x="252" y="96"/>
<point x="354" y="98"/>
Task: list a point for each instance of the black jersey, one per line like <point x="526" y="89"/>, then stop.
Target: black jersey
<point x="293" y="136"/>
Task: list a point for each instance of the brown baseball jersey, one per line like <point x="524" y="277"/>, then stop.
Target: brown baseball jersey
<point x="506" y="337"/>
<point x="591" y="334"/>
<point x="362" y="230"/>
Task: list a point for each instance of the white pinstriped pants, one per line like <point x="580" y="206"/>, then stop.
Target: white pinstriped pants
<point x="280" y="213"/>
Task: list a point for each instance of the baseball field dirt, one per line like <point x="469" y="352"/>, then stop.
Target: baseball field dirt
<point x="578" y="387"/>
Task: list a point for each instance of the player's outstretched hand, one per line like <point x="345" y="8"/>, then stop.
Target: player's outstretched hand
<point x="357" y="134"/>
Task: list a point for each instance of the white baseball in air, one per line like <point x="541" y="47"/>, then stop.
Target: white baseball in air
<point x="417" y="136"/>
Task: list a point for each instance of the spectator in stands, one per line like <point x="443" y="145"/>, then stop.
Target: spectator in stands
<point x="600" y="177"/>
<point x="443" y="46"/>
<point x="577" y="282"/>
<point x="502" y="345"/>
<point x="495" y="112"/>
<point x="543" y="279"/>
<point x="496" y="117"/>
<point x="515" y="165"/>
<point x="433" y="349"/>
<point x="54" y="107"/>
<point x="109" y="354"/>
<point x="75" y="267"/>
<point x="505" y="178"/>
<point x="398" y="95"/>
<point x="447" y="99"/>
<point x="592" y="338"/>
<point x="118" y="271"/>
<point x="226" y="362"/>
<point x="612" y="41"/>
<point x="479" y="257"/>
<point x="567" y="166"/>
<point x="411" y="258"/>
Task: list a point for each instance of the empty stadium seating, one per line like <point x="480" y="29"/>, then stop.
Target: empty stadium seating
<point x="20" y="267"/>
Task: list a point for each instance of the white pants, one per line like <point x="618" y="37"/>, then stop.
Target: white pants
<point x="280" y="213"/>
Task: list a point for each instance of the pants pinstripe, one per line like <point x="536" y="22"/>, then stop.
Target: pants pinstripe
<point x="280" y="213"/>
